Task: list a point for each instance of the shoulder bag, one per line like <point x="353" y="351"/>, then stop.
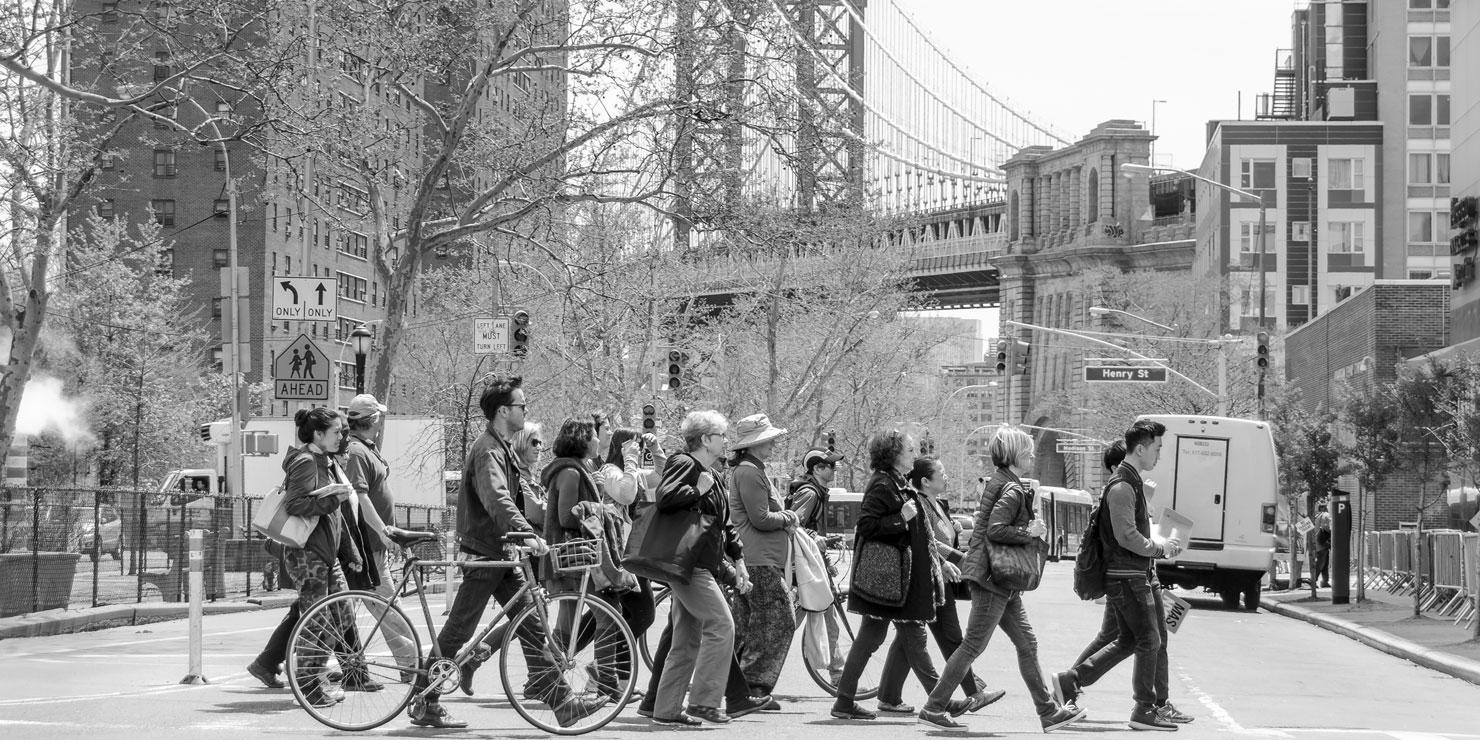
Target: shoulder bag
<point x="1017" y="567"/>
<point x="665" y="547"/>
<point x="881" y="573"/>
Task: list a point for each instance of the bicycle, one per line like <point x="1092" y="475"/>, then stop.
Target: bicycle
<point x="551" y="677"/>
<point x="825" y="675"/>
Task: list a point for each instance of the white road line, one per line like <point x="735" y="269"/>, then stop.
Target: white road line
<point x="1395" y="734"/>
<point x="117" y="694"/>
<point x="1222" y="715"/>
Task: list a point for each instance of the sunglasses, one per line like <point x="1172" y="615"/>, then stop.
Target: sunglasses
<point x="536" y="443"/>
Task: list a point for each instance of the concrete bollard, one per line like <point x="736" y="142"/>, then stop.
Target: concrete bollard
<point x="197" y="606"/>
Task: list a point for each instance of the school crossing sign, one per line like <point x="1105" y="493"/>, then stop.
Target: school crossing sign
<point x="302" y="372"/>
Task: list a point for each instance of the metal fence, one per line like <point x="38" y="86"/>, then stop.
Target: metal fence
<point x="1442" y="565"/>
<point x="73" y="548"/>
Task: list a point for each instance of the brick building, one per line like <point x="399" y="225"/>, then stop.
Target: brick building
<point x="1359" y="344"/>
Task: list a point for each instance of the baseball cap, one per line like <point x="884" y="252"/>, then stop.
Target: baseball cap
<point x="818" y="455"/>
<point x="364" y="405"/>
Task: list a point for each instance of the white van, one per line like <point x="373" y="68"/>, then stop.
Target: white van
<point x="1223" y="475"/>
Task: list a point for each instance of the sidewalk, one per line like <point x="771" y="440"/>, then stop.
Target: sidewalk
<point x="1386" y="622"/>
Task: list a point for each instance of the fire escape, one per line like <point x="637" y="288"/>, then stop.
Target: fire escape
<point x="1280" y="105"/>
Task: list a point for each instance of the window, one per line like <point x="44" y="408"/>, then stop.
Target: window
<point x="1300" y="167"/>
<point x="1344" y="174"/>
<point x="110" y="12"/>
<point x="223" y="108"/>
<point x="221" y="208"/>
<point x="161" y="66"/>
<point x="1428" y="110"/>
<point x="1247" y="231"/>
<point x="216" y="307"/>
<point x="106" y="209"/>
<point x="1428" y="226"/>
<point x="1428" y="51"/>
<point x="1428" y="169"/>
<point x="164" y="264"/>
<point x="355" y="244"/>
<point x="216" y="358"/>
<point x="164" y="212"/>
<point x="164" y="163"/>
<point x="1300" y="231"/>
<point x="220" y="160"/>
<point x="167" y="114"/>
<point x="221" y="258"/>
<point x="1300" y="295"/>
<point x="351" y="287"/>
<point x="1257" y="174"/>
<point x="1345" y="237"/>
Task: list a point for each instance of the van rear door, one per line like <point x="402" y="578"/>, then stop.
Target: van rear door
<point x="1199" y="490"/>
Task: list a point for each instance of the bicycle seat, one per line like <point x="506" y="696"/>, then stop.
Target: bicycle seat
<point x="405" y="537"/>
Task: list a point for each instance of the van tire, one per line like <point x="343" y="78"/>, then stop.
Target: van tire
<point x="1230" y="598"/>
<point x="1251" y="597"/>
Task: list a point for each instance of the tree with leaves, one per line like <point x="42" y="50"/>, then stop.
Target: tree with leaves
<point x="1370" y="417"/>
<point x="1310" y="462"/>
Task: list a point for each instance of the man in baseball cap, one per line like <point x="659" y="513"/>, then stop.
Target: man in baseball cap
<point x="364" y="405"/>
<point x="809" y="493"/>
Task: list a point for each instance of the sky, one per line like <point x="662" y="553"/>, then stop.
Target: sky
<point x="1075" y="63"/>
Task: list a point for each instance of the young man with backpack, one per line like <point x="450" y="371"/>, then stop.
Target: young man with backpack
<point x="1124" y="535"/>
<point x="1110" y="626"/>
<point x="808" y="498"/>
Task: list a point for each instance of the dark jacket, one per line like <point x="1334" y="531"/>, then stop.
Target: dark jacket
<point x="306" y="471"/>
<point x="679" y="491"/>
<point x="569" y="484"/>
<point x="486" y="500"/>
<point x="879" y="519"/>
<point x="1127" y="541"/>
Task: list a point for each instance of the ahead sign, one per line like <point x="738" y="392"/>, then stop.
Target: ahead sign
<point x="304" y="298"/>
<point x="1120" y="374"/>
<point x="301" y="372"/>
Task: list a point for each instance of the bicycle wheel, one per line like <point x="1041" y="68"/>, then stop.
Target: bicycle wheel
<point x="576" y="677"/>
<point x="353" y="641"/>
<point x="827" y="667"/>
<point x="648" y="642"/>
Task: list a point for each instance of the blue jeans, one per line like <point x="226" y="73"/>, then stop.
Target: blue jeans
<point x="1139" y="619"/>
<point x="1110" y="632"/>
<point x="990" y="610"/>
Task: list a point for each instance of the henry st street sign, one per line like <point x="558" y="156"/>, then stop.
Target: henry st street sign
<point x="1122" y="374"/>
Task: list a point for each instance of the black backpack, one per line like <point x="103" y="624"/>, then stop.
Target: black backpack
<point x="1090" y="561"/>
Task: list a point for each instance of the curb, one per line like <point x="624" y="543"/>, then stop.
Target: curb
<point x="64" y="621"/>
<point x="1436" y="660"/>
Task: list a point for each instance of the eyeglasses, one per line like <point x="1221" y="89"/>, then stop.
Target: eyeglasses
<point x="520" y="406"/>
<point x="536" y="443"/>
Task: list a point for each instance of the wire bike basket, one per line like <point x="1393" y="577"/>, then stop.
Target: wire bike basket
<point x="575" y="556"/>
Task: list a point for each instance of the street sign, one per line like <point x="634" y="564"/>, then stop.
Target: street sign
<point x="1078" y="447"/>
<point x="304" y="298"/>
<point x="491" y="336"/>
<point x="302" y="372"/>
<point x="1121" y="374"/>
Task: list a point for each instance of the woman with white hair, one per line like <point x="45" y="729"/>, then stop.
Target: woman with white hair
<point x="1004" y="517"/>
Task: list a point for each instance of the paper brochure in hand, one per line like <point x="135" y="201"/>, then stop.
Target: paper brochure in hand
<point x="1171" y="525"/>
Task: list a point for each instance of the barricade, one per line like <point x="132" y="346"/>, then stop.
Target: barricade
<point x="1446" y="554"/>
<point x="76" y="548"/>
<point x="1470" y="555"/>
<point x="1406" y="577"/>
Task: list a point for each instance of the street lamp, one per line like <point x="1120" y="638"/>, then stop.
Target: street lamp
<point x="361" y="339"/>
<point x="1128" y="169"/>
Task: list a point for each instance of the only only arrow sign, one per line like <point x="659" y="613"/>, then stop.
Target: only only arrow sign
<point x="304" y="299"/>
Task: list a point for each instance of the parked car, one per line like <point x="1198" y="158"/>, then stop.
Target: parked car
<point x="106" y="538"/>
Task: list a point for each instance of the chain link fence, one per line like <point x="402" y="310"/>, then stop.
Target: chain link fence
<point x="75" y="548"/>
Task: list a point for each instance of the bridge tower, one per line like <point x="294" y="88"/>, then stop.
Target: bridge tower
<point x="713" y="65"/>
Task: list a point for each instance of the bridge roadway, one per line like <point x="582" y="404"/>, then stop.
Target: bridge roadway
<point x="1239" y="673"/>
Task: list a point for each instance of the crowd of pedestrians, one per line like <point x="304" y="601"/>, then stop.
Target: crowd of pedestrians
<point x="733" y="611"/>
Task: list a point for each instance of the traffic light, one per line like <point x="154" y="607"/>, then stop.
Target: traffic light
<point x="1021" y="352"/>
<point x="1261" y="351"/>
<point x="677" y="359"/>
<point x="519" y="333"/>
<point x="649" y="418"/>
<point x="1002" y="362"/>
<point x="832" y="441"/>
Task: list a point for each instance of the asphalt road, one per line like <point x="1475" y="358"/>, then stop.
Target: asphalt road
<point x="1240" y="673"/>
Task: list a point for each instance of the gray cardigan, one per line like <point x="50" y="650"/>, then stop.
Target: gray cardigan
<point x="759" y="515"/>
